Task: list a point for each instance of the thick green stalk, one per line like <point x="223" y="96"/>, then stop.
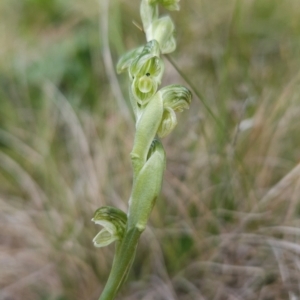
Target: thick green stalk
<point x="122" y="262"/>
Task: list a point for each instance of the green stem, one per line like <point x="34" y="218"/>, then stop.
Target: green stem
<point x="122" y="263"/>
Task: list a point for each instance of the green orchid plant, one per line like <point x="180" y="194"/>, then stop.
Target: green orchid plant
<point x="155" y="117"/>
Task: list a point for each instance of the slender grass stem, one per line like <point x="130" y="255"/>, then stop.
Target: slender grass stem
<point x="196" y="92"/>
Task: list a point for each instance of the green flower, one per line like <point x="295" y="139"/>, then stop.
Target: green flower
<point x="145" y="72"/>
<point x="175" y="98"/>
<point x="114" y="222"/>
<point x="146" y="61"/>
<point x="145" y="86"/>
<point x="127" y="58"/>
<point x="162" y="30"/>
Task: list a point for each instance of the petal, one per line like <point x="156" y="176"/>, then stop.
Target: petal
<point x="141" y="96"/>
<point x="127" y="58"/>
<point x="104" y="238"/>
<point x="169" y="121"/>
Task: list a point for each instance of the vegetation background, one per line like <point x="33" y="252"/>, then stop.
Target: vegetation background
<point x="227" y="223"/>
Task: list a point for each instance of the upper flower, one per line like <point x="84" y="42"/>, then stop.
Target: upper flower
<point x="146" y="72"/>
<point x="163" y="30"/>
<point x="160" y="29"/>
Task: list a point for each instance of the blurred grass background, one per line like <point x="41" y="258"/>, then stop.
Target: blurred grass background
<point x="227" y="223"/>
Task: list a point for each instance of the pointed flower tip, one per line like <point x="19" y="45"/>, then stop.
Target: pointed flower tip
<point x="114" y="222"/>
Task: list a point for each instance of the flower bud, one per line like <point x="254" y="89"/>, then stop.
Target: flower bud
<point x="114" y="222"/>
<point x="162" y="30"/>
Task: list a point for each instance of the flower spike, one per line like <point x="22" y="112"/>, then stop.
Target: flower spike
<point x="155" y="116"/>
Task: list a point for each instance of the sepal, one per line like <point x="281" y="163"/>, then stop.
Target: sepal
<point x="147" y="60"/>
<point x="114" y="222"/>
<point x="127" y="58"/>
<point x="168" y="122"/>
